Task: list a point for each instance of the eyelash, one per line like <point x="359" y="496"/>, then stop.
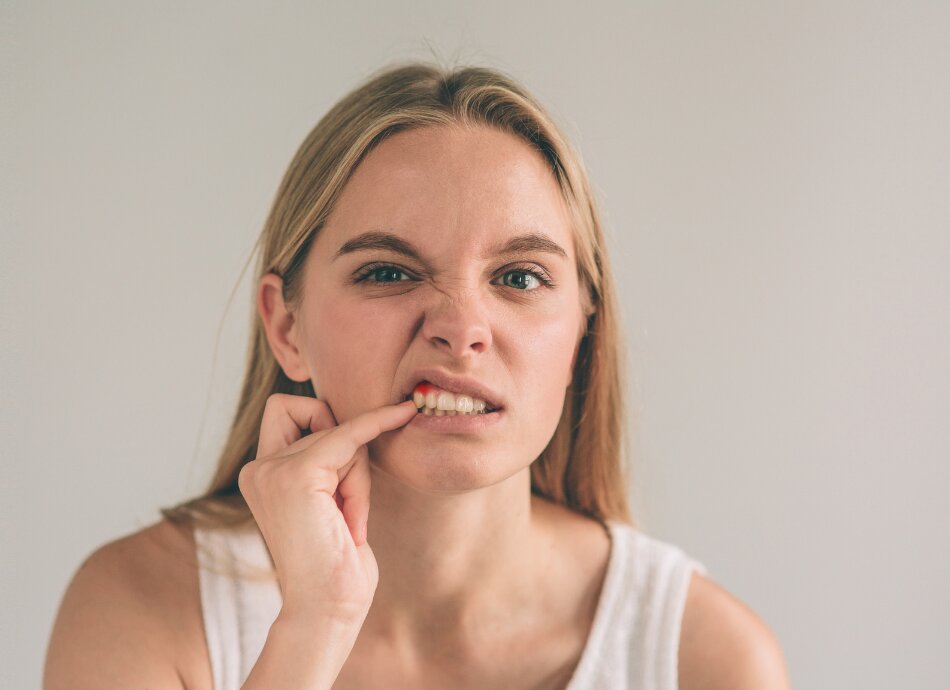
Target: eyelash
<point x="369" y="270"/>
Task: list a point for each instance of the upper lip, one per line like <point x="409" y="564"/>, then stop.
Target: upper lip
<point x="455" y="384"/>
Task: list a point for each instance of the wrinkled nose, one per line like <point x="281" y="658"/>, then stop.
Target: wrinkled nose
<point x="458" y="324"/>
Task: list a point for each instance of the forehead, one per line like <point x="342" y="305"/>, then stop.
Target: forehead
<point x="451" y="189"/>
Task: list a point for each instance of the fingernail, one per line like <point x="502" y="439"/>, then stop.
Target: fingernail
<point x="363" y="533"/>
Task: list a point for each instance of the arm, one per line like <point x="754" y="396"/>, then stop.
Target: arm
<point x="724" y="644"/>
<point x="301" y="655"/>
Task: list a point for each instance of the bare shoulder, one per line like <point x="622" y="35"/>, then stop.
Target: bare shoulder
<point x="725" y="644"/>
<point x="131" y="616"/>
<point x="584" y="541"/>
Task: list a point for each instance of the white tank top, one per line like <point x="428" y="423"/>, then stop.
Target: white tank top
<point x="633" y="643"/>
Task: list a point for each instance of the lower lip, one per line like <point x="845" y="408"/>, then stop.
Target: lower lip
<point x="457" y="424"/>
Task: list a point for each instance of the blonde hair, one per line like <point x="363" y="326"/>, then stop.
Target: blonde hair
<point x="583" y="465"/>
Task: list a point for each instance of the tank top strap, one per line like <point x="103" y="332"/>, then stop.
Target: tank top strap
<point x="634" y="642"/>
<point x="240" y="599"/>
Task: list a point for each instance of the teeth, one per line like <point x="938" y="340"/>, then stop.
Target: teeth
<point x="446" y="401"/>
<point x="432" y="401"/>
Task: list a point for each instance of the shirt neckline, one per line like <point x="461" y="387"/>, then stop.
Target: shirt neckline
<point x="606" y="604"/>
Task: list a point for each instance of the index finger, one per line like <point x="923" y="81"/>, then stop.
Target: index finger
<point x="345" y="439"/>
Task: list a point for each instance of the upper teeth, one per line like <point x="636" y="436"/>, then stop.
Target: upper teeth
<point x="428" y="396"/>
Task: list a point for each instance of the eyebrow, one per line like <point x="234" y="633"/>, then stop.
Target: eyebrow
<point x="377" y="239"/>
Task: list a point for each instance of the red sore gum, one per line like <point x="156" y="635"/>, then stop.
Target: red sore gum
<point x="425" y="388"/>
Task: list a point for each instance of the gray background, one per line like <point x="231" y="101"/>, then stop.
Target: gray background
<point x="775" y="181"/>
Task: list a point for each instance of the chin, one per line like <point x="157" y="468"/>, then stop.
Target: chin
<point x="440" y="473"/>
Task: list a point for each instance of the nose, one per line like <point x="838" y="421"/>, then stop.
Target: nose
<point x="457" y="323"/>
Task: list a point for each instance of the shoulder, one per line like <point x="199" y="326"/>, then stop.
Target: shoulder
<point x="725" y="644"/>
<point x="129" y="614"/>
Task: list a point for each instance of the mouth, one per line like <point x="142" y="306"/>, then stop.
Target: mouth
<point x="430" y="399"/>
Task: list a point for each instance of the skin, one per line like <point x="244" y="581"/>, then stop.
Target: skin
<point x="459" y="541"/>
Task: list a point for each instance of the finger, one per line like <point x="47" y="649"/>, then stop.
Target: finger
<point x="343" y="441"/>
<point x="354" y="488"/>
<point x="285" y="416"/>
<point x="323" y="418"/>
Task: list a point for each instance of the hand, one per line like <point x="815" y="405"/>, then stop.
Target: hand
<point x="310" y="498"/>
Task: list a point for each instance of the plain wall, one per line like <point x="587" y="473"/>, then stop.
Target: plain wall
<point x="774" y="178"/>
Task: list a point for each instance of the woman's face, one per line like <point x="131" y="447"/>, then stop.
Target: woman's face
<point x="371" y="318"/>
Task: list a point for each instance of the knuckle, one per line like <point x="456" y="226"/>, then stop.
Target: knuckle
<point x="274" y="400"/>
<point x="246" y="476"/>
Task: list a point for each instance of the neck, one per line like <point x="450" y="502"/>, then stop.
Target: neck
<point x="452" y="565"/>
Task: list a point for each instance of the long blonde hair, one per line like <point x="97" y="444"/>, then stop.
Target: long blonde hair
<point x="583" y="465"/>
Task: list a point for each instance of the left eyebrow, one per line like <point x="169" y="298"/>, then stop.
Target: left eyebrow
<point x="531" y="242"/>
<point x="376" y="239"/>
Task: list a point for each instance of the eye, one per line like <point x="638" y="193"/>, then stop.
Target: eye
<point x="381" y="274"/>
<point x="525" y="277"/>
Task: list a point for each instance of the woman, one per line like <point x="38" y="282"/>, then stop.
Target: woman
<point x="436" y="321"/>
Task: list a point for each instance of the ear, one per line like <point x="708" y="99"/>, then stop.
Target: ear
<point x="281" y="328"/>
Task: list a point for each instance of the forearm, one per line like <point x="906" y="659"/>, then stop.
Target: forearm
<point x="300" y="654"/>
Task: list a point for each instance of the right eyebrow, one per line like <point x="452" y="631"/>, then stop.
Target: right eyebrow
<point x="376" y="239"/>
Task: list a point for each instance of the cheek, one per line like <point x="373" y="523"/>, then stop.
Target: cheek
<point x="553" y="333"/>
<point x="540" y="364"/>
<point x="544" y="360"/>
<point x="348" y="356"/>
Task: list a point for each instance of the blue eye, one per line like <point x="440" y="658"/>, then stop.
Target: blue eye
<point x="525" y="277"/>
<point x="382" y="274"/>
